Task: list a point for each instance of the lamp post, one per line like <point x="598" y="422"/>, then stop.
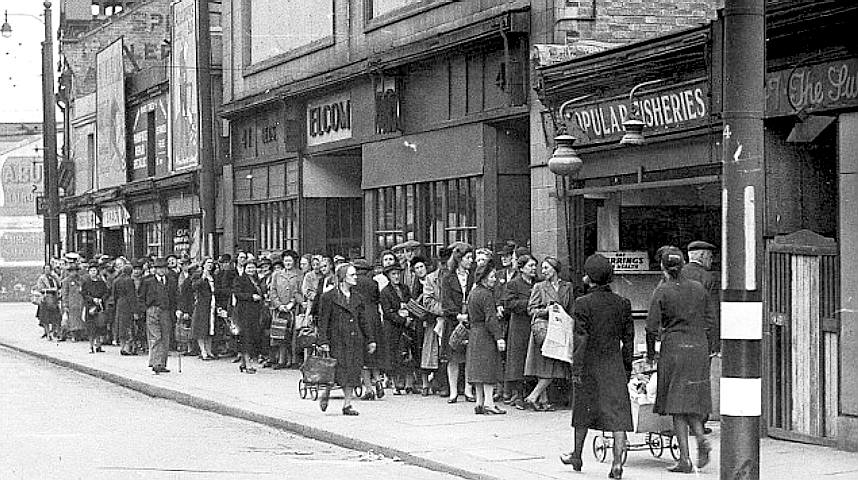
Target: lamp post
<point x="49" y="134"/>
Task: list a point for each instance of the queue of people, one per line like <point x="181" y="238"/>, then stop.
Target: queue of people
<point x="459" y="325"/>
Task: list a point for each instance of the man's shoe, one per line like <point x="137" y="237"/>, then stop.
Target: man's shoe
<point x="160" y="369"/>
<point x="350" y="412"/>
<point x="703" y="450"/>
<point x="681" y="467"/>
<point x="279" y="366"/>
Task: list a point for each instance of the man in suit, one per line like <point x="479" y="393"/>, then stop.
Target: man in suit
<point x="158" y="293"/>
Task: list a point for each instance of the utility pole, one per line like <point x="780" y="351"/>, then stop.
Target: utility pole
<point x="743" y="199"/>
<point x="206" y="151"/>
<point x="52" y="194"/>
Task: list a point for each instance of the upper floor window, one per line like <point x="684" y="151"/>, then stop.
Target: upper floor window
<point x="281" y="26"/>
<point x="377" y="8"/>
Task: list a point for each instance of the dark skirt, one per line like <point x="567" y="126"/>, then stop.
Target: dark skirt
<point x="601" y="400"/>
<point x="249" y="334"/>
<point x="535" y="365"/>
<point x="380" y="359"/>
<point x="518" y="336"/>
<point x="683" y="376"/>
<point x="48" y="313"/>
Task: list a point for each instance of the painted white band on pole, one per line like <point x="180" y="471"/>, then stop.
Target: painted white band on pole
<point x="741" y="320"/>
<point x="741" y="397"/>
<point x="750" y="240"/>
<point x="724" y="226"/>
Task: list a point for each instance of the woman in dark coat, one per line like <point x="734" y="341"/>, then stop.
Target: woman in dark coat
<point x="344" y="332"/>
<point x="485" y="341"/>
<point x="376" y="362"/>
<point x="94" y="291"/>
<point x="678" y="311"/>
<point x="601" y="363"/>
<point x="455" y="287"/>
<point x="400" y="328"/>
<point x="125" y="296"/>
<point x="248" y="304"/>
<point x="205" y="309"/>
<point x="551" y="290"/>
<point x="518" y="331"/>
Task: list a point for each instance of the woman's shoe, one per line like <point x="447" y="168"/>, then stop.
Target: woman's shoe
<point x="368" y="395"/>
<point x="236" y="359"/>
<point x="249" y="370"/>
<point x="470" y="399"/>
<point x="529" y="405"/>
<point x="494" y="410"/>
<point x="99" y="350"/>
<point x="519" y="404"/>
<point x="571" y="459"/>
<point x="208" y="358"/>
<point x="379" y="390"/>
<point x="681" y="467"/>
<point x="426" y="391"/>
<point x="350" y="412"/>
<point x="280" y="366"/>
<point x="616" y="472"/>
<point x="323" y="399"/>
<point x="242" y="368"/>
<point x="453" y="400"/>
<point x="546" y="407"/>
<point x="397" y="391"/>
<point x="703" y="449"/>
<point x="480" y="410"/>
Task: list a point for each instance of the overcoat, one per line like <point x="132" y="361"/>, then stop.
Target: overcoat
<point x="367" y="288"/>
<point x="399" y="335"/>
<point x="247" y="311"/>
<point x="543" y="293"/>
<point x="92" y="290"/>
<point x="205" y="308"/>
<point x="452" y="300"/>
<point x="679" y="310"/>
<point x="72" y="302"/>
<point x="125" y="296"/>
<point x="518" y="331"/>
<point x="431" y="300"/>
<point x="49" y="311"/>
<point x="343" y="326"/>
<point x="483" y="360"/>
<point x="695" y="271"/>
<point x="604" y="345"/>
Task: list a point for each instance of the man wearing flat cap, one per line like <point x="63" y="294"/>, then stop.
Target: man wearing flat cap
<point x="700" y="255"/>
<point x="405" y="252"/>
<point x="158" y="294"/>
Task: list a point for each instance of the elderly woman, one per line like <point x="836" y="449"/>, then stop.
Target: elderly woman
<point x="485" y="341"/>
<point x="249" y="294"/>
<point x="48" y="311"/>
<point x="205" y="309"/>
<point x="344" y="332"/>
<point x="548" y="292"/>
<point x="518" y="334"/>
<point x="601" y="364"/>
<point x="455" y="288"/>
<point x="95" y="292"/>
<point x="678" y="311"/>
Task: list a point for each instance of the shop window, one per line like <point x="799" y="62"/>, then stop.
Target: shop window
<point x="154" y="242"/>
<point x="267" y="227"/>
<point x="344" y="226"/>
<point x="433" y="213"/>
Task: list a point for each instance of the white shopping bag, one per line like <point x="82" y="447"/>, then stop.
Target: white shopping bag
<point x="559" y="342"/>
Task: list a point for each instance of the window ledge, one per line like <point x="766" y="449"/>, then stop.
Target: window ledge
<point x="402" y="14"/>
<point x="284" y="57"/>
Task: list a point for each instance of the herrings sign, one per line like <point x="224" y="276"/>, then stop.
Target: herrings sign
<point x="628" y="261"/>
<point x="329" y="119"/>
<point x="677" y="107"/>
<point x="816" y="87"/>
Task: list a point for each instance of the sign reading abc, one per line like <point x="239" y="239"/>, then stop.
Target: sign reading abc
<point x="329" y="119"/>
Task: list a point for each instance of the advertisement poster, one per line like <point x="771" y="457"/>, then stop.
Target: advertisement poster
<point x="110" y="116"/>
<point x="183" y="86"/>
<point x="150" y="153"/>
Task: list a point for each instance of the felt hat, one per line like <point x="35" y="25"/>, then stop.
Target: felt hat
<point x="672" y="257"/>
<point x="599" y="269"/>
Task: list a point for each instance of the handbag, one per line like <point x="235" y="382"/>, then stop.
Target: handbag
<point x="233" y="327"/>
<point x="538" y="329"/>
<point x="319" y="369"/>
<point x="281" y="325"/>
<point x="417" y="310"/>
<point x="36" y="296"/>
<point x="459" y="338"/>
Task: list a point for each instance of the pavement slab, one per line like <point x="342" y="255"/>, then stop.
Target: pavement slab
<point x="424" y="431"/>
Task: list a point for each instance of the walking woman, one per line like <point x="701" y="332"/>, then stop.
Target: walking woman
<point x="205" y="309"/>
<point x="345" y="333"/>
<point x="72" y="304"/>
<point x="248" y="303"/>
<point x="518" y="333"/>
<point x="601" y="364"/>
<point x="678" y="312"/>
<point x="94" y="291"/>
<point x="455" y="288"/>
<point x="374" y="363"/>
<point x="485" y="341"/>
<point x="547" y="292"/>
<point x="48" y="311"/>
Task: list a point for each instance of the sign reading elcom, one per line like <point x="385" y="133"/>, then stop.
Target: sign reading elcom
<point x="329" y="119"/>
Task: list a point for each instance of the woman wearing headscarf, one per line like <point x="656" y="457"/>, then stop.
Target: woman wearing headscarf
<point x="205" y="309"/>
<point x="455" y="288"/>
<point x="485" y="341"/>
<point x="345" y="333"/>
<point x="601" y="363"/>
<point x="249" y="296"/>
<point x="72" y="304"/>
<point x="94" y="291"/>
<point x="518" y="333"/>
<point x="548" y="292"/>
<point x="48" y="311"/>
<point x="678" y="312"/>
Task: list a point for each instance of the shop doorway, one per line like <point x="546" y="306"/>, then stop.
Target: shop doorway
<point x="114" y="242"/>
<point x="802" y="300"/>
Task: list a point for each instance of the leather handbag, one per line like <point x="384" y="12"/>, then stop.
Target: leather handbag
<point x="319" y="369"/>
<point x="417" y="310"/>
<point x="281" y="325"/>
<point x="459" y="338"/>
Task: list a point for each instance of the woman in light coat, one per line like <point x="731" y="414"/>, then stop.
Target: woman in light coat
<point x="49" y="311"/>
<point x="72" y="304"/>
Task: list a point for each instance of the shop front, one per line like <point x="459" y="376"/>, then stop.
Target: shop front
<point x="116" y="236"/>
<point x="184" y="233"/>
<point x="148" y="228"/>
<point x="85" y="238"/>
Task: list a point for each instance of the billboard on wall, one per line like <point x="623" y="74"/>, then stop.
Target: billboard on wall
<point x="183" y="86"/>
<point x="110" y="116"/>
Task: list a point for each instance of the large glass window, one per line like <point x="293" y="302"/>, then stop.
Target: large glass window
<point x="154" y="243"/>
<point x="268" y="226"/>
<point x="433" y="213"/>
<point x="280" y="26"/>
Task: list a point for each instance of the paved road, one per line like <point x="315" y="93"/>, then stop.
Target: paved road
<point x="59" y="424"/>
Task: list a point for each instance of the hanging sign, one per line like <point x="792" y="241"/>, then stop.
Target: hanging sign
<point x="114" y="216"/>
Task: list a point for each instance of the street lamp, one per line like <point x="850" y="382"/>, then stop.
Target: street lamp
<point x="634" y="126"/>
<point x="49" y="133"/>
<point x="565" y="161"/>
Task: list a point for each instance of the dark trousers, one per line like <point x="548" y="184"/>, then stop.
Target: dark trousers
<point x="158" y="329"/>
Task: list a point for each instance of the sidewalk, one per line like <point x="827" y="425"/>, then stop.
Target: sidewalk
<point x="424" y="431"/>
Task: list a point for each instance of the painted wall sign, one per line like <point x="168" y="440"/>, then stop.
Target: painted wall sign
<point x="676" y="107"/>
<point x="113" y="216"/>
<point x="329" y="119"/>
<point x="145" y="149"/>
<point x="85" y="220"/>
<point x="815" y="87"/>
<point x="110" y="117"/>
<point x="21" y="247"/>
<point x="184" y="99"/>
<point x="628" y="261"/>
<point x="20" y="182"/>
<point x="261" y="135"/>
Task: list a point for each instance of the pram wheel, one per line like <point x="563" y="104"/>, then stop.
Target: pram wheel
<point x="655" y="444"/>
<point x="674" y="447"/>
<point x="315" y="392"/>
<point x="600" y="448"/>
<point x="302" y="388"/>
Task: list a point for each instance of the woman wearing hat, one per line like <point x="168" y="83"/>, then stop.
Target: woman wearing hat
<point x="94" y="291"/>
<point x="485" y="341"/>
<point x="518" y="334"/>
<point x="284" y="292"/>
<point x="602" y="363"/>
<point x="48" y="311"/>
<point x="678" y="312"/>
<point x="248" y="303"/>
<point x="393" y="299"/>
<point x="548" y="292"/>
<point x="125" y="296"/>
<point x="205" y="308"/>
<point x="455" y="288"/>
<point x="72" y="303"/>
